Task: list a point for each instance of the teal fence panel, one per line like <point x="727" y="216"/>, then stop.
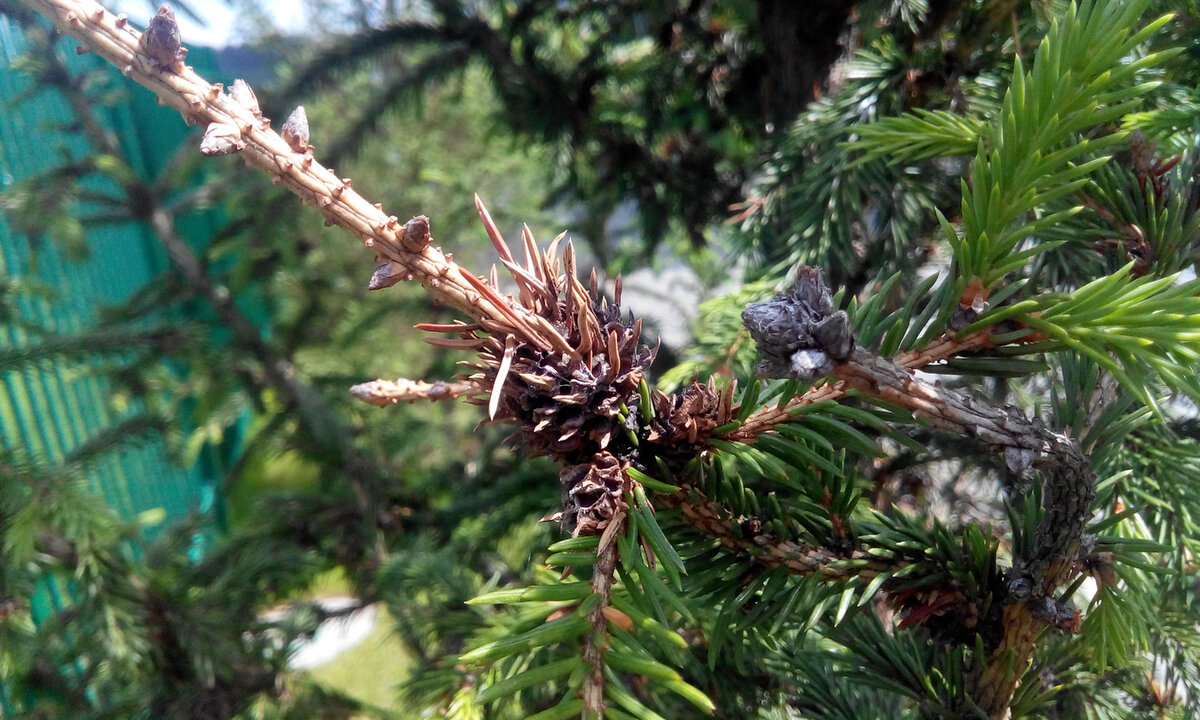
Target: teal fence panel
<point x="48" y="411"/>
<point x="52" y="410"/>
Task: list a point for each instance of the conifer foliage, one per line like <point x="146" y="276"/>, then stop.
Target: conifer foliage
<point x="743" y="542"/>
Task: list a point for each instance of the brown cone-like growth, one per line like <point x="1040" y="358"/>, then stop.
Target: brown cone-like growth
<point x="593" y="494"/>
<point x="572" y="383"/>
<point x="569" y="406"/>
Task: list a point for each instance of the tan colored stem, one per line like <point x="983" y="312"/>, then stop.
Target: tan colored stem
<point x="596" y="643"/>
<point x="202" y="103"/>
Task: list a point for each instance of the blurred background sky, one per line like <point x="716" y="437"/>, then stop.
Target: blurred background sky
<point x="221" y="24"/>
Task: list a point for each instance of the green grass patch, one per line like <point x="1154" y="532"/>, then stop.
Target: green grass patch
<point x="370" y="671"/>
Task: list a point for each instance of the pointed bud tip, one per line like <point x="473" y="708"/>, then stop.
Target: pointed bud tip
<point x="160" y="41"/>
<point x="385" y="276"/>
<point x="243" y="95"/>
<point x="295" y="130"/>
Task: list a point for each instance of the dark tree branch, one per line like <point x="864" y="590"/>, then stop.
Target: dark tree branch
<point x="796" y="326"/>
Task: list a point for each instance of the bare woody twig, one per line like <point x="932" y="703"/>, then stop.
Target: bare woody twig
<point x="770" y="551"/>
<point x="291" y="164"/>
<point x="596" y="641"/>
<point x="146" y="203"/>
<point x="388" y="392"/>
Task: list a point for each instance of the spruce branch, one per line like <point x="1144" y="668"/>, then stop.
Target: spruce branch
<point x="596" y="639"/>
<point x="751" y="538"/>
<point x="1026" y="157"/>
<point x="1136" y="328"/>
<point x="90" y="345"/>
<point x="563" y="365"/>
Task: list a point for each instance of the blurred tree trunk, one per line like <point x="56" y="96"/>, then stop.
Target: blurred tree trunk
<point x="801" y="42"/>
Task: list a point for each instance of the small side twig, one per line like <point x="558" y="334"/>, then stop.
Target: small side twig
<point x="389" y="392"/>
<point x="1105" y="394"/>
<point x="799" y="558"/>
<point x="596" y="641"/>
<point x="943" y="348"/>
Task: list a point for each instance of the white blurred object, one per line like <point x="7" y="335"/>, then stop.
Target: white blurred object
<point x="332" y="637"/>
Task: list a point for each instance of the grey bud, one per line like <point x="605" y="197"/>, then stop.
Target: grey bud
<point x="799" y="334"/>
<point x="295" y="130"/>
<point x="160" y="41"/>
<point x="808" y="365"/>
<point x="1020" y="588"/>
<point x="385" y="276"/>
<point x="834" y="335"/>
<point x="1018" y="459"/>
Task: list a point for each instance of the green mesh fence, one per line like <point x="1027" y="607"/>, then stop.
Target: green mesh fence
<point x="49" y="411"/>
